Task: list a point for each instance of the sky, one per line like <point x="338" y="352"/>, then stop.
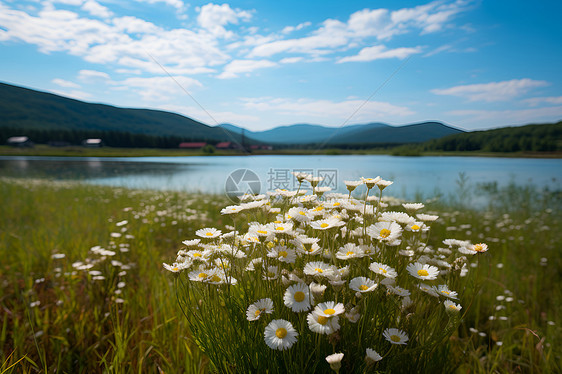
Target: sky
<point x="472" y="64"/>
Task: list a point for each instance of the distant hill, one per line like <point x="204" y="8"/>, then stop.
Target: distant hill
<point x="370" y="133"/>
<point x="29" y="109"/>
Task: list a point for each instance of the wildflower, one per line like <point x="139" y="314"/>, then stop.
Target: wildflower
<point x="395" y="336"/>
<point x="232" y="209"/>
<point x="318" y="268"/>
<point x="402" y="292"/>
<point x="412" y="207"/>
<point x="280" y="334"/>
<point x="298" y="297"/>
<point x="321" y="324"/>
<point x="208" y="233"/>
<point x="329" y="309"/>
<point x="349" y="250"/>
<point x="372" y="356"/>
<point x="416" y="227"/>
<point x="382" y="184"/>
<point x="399" y="217"/>
<point x="319" y="191"/>
<point x="370" y="182"/>
<point x="58" y="256"/>
<point x="480" y="247"/>
<point x="283" y="254"/>
<point x="362" y="284"/>
<point x="384" y="231"/>
<point x="428" y="289"/>
<point x="444" y="290"/>
<point x="383" y="269"/>
<point x="299" y="214"/>
<point x="307" y="245"/>
<point x="335" y="361"/>
<point x="352" y="185"/>
<point x="191" y="243"/>
<point x="421" y="271"/>
<point x="314" y="180"/>
<point x="301" y="176"/>
<point x="317" y="289"/>
<point x="450" y="306"/>
<point x="427" y="217"/>
<point x="256" y="309"/>
<point x="200" y="275"/>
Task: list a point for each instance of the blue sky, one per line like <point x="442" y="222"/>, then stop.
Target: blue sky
<point x="260" y="64"/>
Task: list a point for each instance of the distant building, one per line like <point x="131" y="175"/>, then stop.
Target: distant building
<point x="228" y="145"/>
<point x="193" y="145"/>
<point x="262" y="147"/>
<point x="93" y="143"/>
<point x="58" y="143"/>
<point x="19" y="141"/>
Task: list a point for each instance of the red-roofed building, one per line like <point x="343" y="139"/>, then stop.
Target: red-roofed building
<point x="226" y="145"/>
<point x="194" y="145"/>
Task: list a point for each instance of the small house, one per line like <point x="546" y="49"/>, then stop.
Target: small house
<point x="19" y="141"/>
<point x="92" y="143"/>
<point x="192" y="145"/>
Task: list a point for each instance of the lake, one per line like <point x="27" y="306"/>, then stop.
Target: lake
<point x="412" y="176"/>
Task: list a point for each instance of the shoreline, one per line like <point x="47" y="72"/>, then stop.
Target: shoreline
<point x="78" y="151"/>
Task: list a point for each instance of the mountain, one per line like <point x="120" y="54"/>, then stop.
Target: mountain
<point x="370" y="133"/>
<point x="24" y="108"/>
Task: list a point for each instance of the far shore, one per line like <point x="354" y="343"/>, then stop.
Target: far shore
<point x="78" y="151"/>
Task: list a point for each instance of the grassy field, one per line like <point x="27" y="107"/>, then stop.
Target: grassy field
<point x="84" y="290"/>
<point x="77" y="151"/>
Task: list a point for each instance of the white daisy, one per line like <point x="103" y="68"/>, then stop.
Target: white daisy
<point x="362" y="284"/>
<point x="307" y="245"/>
<point x="335" y="361"/>
<point x="283" y="254"/>
<point x="321" y="324"/>
<point x="385" y="231"/>
<point x="372" y="356"/>
<point x="428" y="289"/>
<point x="325" y="224"/>
<point x="280" y="334"/>
<point x="395" y="336"/>
<point x="383" y="269"/>
<point x="352" y="185"/>
<point x="402" y="292"/>
<point x="349" y="250"/>
<point x="442" y="289"/>
<point x="450" y="306"/>
<point x="256" y="309"/>
<point x="399" y="217"/>
<point x="298" y="297"/>
<point x="318" y="268"/>
<point x="299" y="214"/>
<point x="232" y="209"/>
<point x="191" y="243"/>
<point x="329" y="309"/>
<point x="416" y="227"/>
<point x="427" y="217"/>
<point x="208" y="233"/>
<point x="382" y="184"/>
<point x="370" y="182"/>
<point x="423" y="271"/>
<point x="412" y="207"/>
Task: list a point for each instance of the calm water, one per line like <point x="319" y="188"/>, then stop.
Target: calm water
<point x="412" y="175"/>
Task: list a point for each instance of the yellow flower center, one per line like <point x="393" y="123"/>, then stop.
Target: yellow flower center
<point x="322" y="320"/>
<point x="319" y="208"/>
<point x="281" y="333"/>
<point x="445" y="292"/>
<point x="452" y="306"/>
<point x="209" y="234"/>
<point x="350" y="253"/>
<point x="324" y="225"/>
<point x="283" y="254"/>
<point x="337" y="204"/>
<point x="382" y="270"/>
<point x="202" y="275"/>
<point x="276" y="221"/>
<point x="319" y="270"/>
<point x="385" y="233"/>
<point x="262" y="232"/>
<point x="329" y="311"/>
<point x="395" y="338"/>
<point x="197" y="255"/>
<point x="215" y="278"/>
<point x="271" y="274"/>
<point x="280" y="228"/>
<point x="299" y="296"/>
<point x="363" y="287"/>
<point x="415" y="227"/>
<point x="478" y="247"/>
<point x="302" y="213"/>
<point x="257" y="313"/>
<point x="175" y="268"/>
<point x="423" y="273"/>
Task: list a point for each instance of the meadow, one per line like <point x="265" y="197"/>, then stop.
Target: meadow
<point x="84" y="289"/>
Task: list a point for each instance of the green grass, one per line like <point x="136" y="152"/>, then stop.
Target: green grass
<point x="80" y="325"/>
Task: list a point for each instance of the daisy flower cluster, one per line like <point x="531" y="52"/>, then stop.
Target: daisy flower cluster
<point x="321" y="272"/>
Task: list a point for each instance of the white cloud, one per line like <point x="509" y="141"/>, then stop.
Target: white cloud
<point x="543" y="100"/>
<point x="157" y="88"/>
<point x="235" y="67"/>
<point x="96" y="9"/>
<point x="290" y="60"/>
<point x="92" y="75"/>
<point x="500" y="118"/>
<point x="336" y="112"/>
<point x="381" y="24"/>
<point x="214" y="18"/>
<point x="178" y="4"/>
<point x="65" y="83"/>
<point x="378" y="52"/>
<point x="290" y="29"/>
<point x="493" y="91"/>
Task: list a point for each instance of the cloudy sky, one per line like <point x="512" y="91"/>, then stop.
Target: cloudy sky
<point x="260" y="64"/>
